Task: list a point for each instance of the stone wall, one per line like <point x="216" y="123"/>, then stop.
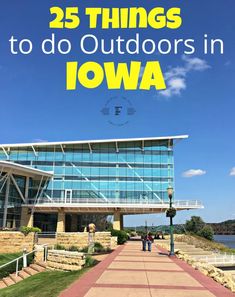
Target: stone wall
<point x="114" y="244"/>
<point x="39" y="253"/>
<point x="64" y="260"/>
<point x="13" y="242"/>
<point x="223" y="277"/>
<point x="80" y="239"/>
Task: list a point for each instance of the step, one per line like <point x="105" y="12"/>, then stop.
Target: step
<point x="23" y="274"/>
<point x="42" y="264"/>
<point x="191" y="248"/>
<point x="15" y="278"/>
<point x="2" y="285"/>
<point x="37" y="267"/>
<point x="198" y="253"/>
<point x="30" y="270"/>
<point x="8" y="281"/>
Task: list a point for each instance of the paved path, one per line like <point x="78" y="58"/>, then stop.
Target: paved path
<point x="129" y="272"/>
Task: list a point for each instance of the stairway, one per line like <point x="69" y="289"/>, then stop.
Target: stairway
<point x="32" y="269"/>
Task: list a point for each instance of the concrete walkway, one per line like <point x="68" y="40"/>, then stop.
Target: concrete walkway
<point x="129" y="272"/>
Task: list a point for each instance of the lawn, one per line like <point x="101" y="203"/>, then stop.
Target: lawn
<point x="45" y="284"/>
<point x="4" y="258"/>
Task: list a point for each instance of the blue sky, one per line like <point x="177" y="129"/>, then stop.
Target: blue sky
<point x="35" y="105"/>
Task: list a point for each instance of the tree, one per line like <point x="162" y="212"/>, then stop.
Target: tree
<point x="195" y="224"/>
<point x="206" y="232"/>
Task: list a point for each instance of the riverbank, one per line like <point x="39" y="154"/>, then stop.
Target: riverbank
<point x="203" y="243"/>
<point x="206" y="256"/>
<point x="227" y="240"/>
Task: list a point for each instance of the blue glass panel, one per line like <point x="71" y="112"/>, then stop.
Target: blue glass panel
<point x="132" y="173"/>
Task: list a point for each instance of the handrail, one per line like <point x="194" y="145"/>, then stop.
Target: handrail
<point x="219" y="259"/>
<point x="176" y="203"/>
<point x="24" y="257"/>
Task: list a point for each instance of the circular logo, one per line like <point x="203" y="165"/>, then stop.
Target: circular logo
<point x="118" y="110"/>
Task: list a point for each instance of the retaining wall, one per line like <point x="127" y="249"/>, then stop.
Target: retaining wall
<point x="64" y="260"/>
<point x="13" y="242"/>
<point x="80" y="239"/>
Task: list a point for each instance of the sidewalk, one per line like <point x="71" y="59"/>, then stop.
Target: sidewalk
<point x="129" y="272"/>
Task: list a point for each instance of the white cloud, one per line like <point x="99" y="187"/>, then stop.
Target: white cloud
<point x="195" y="63"/>
<point x="39" y="140"/>
<point x="232" y="172"/>
<point x="175" y="77"/>
<point x="193" y="172"/>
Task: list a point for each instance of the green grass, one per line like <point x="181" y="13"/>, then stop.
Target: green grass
<point x="45" y="284"/>
<point x="4" y="258"/>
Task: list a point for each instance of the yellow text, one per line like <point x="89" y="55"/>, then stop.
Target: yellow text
<point x="131" y="77"/>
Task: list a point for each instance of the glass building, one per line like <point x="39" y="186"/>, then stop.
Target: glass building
<point x="71" y="179"/>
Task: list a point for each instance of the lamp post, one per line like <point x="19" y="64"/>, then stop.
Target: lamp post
<point x="146" y="227"/>
<point x="170" y="194"/>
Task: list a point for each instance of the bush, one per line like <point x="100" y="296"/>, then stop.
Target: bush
<point x="98" y="247"/>
<point x="122" y="236"/>
<point x="59" y="247"/>
<point x="197" y="226"/>
<point x="133" y="234"/>
<point x="194" y="225"/>
<point x="90" y="261"/>
<point x="206" y="232"/>
<point x="73" y="248"/>
<point x="26" y="230"/>
<point x="84" y="249"/>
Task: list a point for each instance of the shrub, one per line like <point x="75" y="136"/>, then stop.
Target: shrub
<point x="206" y="232"/>
<point x="98" y="247"/>
<point x="84" y="249"/>
<point x="122" y="236"/>
<point x="26" y="230"/>
<point x="194" y="225"/>
<point x="73" y="248"/>
<point x="59" y="247"/>
<point x="133" y="234"/>
<point x="90" y="261"/>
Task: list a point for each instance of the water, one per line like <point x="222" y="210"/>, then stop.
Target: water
<point x="228" y="240"/>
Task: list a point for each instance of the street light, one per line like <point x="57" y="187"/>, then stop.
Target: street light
<point x="171" y="215"/>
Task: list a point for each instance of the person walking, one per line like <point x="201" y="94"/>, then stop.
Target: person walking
<point x="143" y="238"/>
<point x="91" y="237"/>
<point x="149" y="240"/>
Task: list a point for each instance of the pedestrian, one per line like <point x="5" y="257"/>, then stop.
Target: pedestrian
<point x="91" y="232"/>
<point x="143" y="238"/>
<point x="149" y="240"/>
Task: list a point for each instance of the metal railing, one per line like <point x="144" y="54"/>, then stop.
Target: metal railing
<point x="45" y="234"/>
<point x="219" y="259"/>
<point x="24" y="258"/>
<point x="185" y="203"/>
<point x="141" y="201"/>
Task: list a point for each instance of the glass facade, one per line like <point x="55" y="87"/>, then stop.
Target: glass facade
<point x="123" y="172"/>
<point x="11" y="200"/>
<point x="13" y="206"/>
